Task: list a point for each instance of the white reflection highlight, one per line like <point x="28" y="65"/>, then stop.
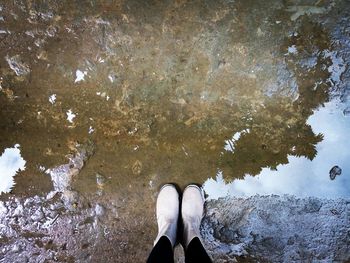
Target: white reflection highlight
<point x="52" y="99"/>
<point x="80" y="75"/>
<point x="11" y="162"/>
<point x="70" y="116"/>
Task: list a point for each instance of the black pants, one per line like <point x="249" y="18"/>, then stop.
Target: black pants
<point x="163" y="252"/>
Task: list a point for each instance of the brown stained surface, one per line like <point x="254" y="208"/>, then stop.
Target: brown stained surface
<point x="167" y="82"/>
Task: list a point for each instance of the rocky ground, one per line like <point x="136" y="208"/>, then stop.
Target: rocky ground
<point x="278" y="229"/>
<point x="255" y="229"/>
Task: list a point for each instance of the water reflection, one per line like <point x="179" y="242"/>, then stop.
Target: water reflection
<point x="298" y="11"/>
<point x="52" y="99"/>
<point x="70" y="116"/>
<point x="171" y="96"/>
<point x="11" y="162"/>
<point x="301" y="176"/>
<point x="80" y="75"/>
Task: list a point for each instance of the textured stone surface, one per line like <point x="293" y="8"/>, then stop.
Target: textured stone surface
<point x="278" y="229"/>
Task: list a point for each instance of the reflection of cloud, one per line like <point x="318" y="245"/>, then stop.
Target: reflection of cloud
<point x="302" y="177"/>
<point x="52" y="99"/>
<point x="80" y="75"/>
<point x="11" y="162"/>
<point x="70" y="115"/>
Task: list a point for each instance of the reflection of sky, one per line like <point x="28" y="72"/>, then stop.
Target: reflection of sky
<point x="302" y="177"/>
<point x="11" y="162"/>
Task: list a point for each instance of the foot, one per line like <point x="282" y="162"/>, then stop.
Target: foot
<point x="167" y="213"/>
<point x="192" y="212"/>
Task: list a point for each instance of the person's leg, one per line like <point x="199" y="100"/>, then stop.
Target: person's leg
<point x="167" y="219"/>
<point x="192" y="213"/>
<point x="162" y="252"/>
<point x="196" y="252"/>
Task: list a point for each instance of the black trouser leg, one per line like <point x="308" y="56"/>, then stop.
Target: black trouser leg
<point x="196" y="253"/>
<point x="162" y="252"/>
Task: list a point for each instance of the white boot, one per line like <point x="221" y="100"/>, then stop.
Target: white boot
<point x="192" y="212"/>
<point x="167" y="213"/>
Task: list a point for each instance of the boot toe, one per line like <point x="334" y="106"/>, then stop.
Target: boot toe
<point x="168" y="202"/>
<point x="192" y="201"/>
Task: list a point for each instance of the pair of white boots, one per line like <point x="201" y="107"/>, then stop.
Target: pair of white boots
<point x="168" y="213"/>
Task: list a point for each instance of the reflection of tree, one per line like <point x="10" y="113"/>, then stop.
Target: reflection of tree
<point x="268" y="145"/>
<point x="173" y="101"/>
<point x="281" y="127"/>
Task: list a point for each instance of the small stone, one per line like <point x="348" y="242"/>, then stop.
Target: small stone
<point x="313" y="205"/>
<point x="99" y="210"/>
<point x="291" y="241"/>
<point x="18" y="211"/>
<point x="38" y="215"/>
<point x="17" y="65"/>
<point x="259" y="32"/>
<point x="100" y="181"/>
<point x="115" y="212"/>
<point x="336" y="170"/>
<point x="51" y="31"/>
<point x="50" y="213"/>
<point x="27" y="203"/>
<point x="16" y="248"/>
<point x="346" y="111"/>
<point x="70" y="199"/>
<point x="42" y="55"/>
<point x="3" y="208"/>
<point x="137" y="168"/>
<point x="335" y="211"/>
<point x="9" y="94"/>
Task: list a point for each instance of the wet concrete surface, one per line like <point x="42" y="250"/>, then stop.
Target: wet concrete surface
<point x="277" y="229"/>
<point x="101" y="102"/>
